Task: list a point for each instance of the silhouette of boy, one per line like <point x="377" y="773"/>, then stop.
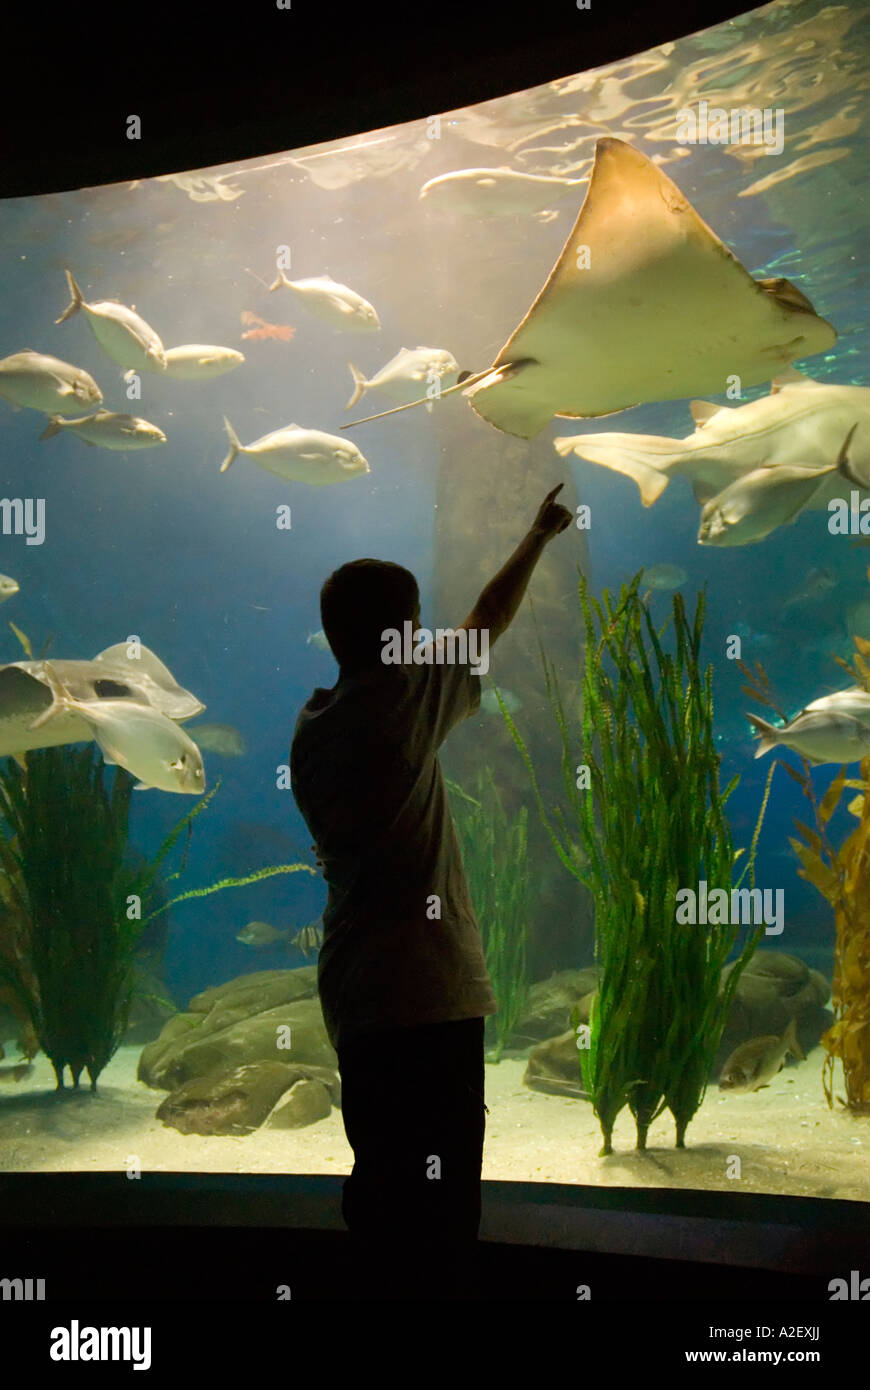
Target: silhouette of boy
<point x="403" y="984"/>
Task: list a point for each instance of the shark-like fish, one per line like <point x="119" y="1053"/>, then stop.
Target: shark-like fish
<point x="802" y="424"/>
<point x="134" y="736"/>
<point x="756" y="504"/>
<point x="25" y="694"/>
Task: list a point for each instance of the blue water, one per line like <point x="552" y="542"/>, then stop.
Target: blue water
<point x="161" y="545"/>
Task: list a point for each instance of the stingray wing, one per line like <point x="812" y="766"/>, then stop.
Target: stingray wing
<point x="645" y="303"/>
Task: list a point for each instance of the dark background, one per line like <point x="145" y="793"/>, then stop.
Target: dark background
<point x="218" y="84"/>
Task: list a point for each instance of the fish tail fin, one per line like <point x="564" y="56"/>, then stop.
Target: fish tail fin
<point x="769" y="736"/>
<point x="645" y="458"/>
<point x="235" y="446"/>
<point x="359" y="386"/>
<point x="54" y="426"/>
<point x="60" y="699"/>
<point x="793" y="1041"/>
<point x="281" y="280"/>
<point x="76" y="298"/>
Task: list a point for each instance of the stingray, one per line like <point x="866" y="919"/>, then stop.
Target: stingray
<point x="645" y="303"/>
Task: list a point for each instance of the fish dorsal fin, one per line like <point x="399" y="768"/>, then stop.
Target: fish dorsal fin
<point x="790" y="376"/>
<point x="702" y="411"/>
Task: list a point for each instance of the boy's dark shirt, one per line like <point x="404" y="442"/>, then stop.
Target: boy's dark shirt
<point x="366" y="778"/>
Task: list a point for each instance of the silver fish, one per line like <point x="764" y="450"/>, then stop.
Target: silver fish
<point x="218" y="738"/>
<point x="109" y="430"/>
<point x="8" y="587"/>
<point x="300" y="455"/>
<point x="44" y="383"/>
<point x="754" y="1064"/>
<point x="148" y="744"/>
<point x="753" y="506"/>
<point x="336" y="304"/>
<point x="496" y="192"/>
<point x="194" y="362"/>
<point x="405" y="374"/>
<point x="833" y="729"/>
<point x="120" y="332"/>
<point x="319" y="640"/>
<point x="113" y="675"/>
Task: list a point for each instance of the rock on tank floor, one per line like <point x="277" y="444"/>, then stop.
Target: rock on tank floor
<point x="786" y="1138"/>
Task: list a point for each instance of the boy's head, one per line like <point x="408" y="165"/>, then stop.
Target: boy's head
<point x="359" y="601"/>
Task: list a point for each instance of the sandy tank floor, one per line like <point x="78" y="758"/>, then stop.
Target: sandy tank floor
<point x="785" y="1137"/>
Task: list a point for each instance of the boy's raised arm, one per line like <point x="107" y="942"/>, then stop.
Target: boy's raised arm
<point x="497" y="605"/>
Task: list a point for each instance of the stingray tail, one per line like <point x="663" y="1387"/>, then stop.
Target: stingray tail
<point x="359" y="386"/>
<point x="646" y="458"/>
<point x="769" y="735"/>
<point x="76" y="297"/>
<point x="464" y="383"/>
<point x="235" y="446"/>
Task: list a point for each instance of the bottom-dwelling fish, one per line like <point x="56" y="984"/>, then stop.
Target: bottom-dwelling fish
<point x="754" y="1064"/>
<point x="148" y="744"/>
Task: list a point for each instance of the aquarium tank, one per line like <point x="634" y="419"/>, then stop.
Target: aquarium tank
<point x="645" y="284"/>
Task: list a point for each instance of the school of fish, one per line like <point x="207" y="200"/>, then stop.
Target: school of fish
<point x="753" y="468"/>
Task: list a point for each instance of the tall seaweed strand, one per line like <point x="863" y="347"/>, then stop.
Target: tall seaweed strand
<point x="642" y="790"/>
<point x="495" y="856"/>
<point x="75" y="904"/>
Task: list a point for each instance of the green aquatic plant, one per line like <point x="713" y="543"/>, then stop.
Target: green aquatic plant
<point x="76" y="904"/>
<point x="842" y="875"/>
<point x="641" y="781"/>
<point x="495" y="856"/>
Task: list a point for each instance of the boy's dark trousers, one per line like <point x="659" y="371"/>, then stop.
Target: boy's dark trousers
<point x="413" y="1110"/>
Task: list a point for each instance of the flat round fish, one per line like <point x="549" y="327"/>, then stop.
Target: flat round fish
<point x="644" y="304"/>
